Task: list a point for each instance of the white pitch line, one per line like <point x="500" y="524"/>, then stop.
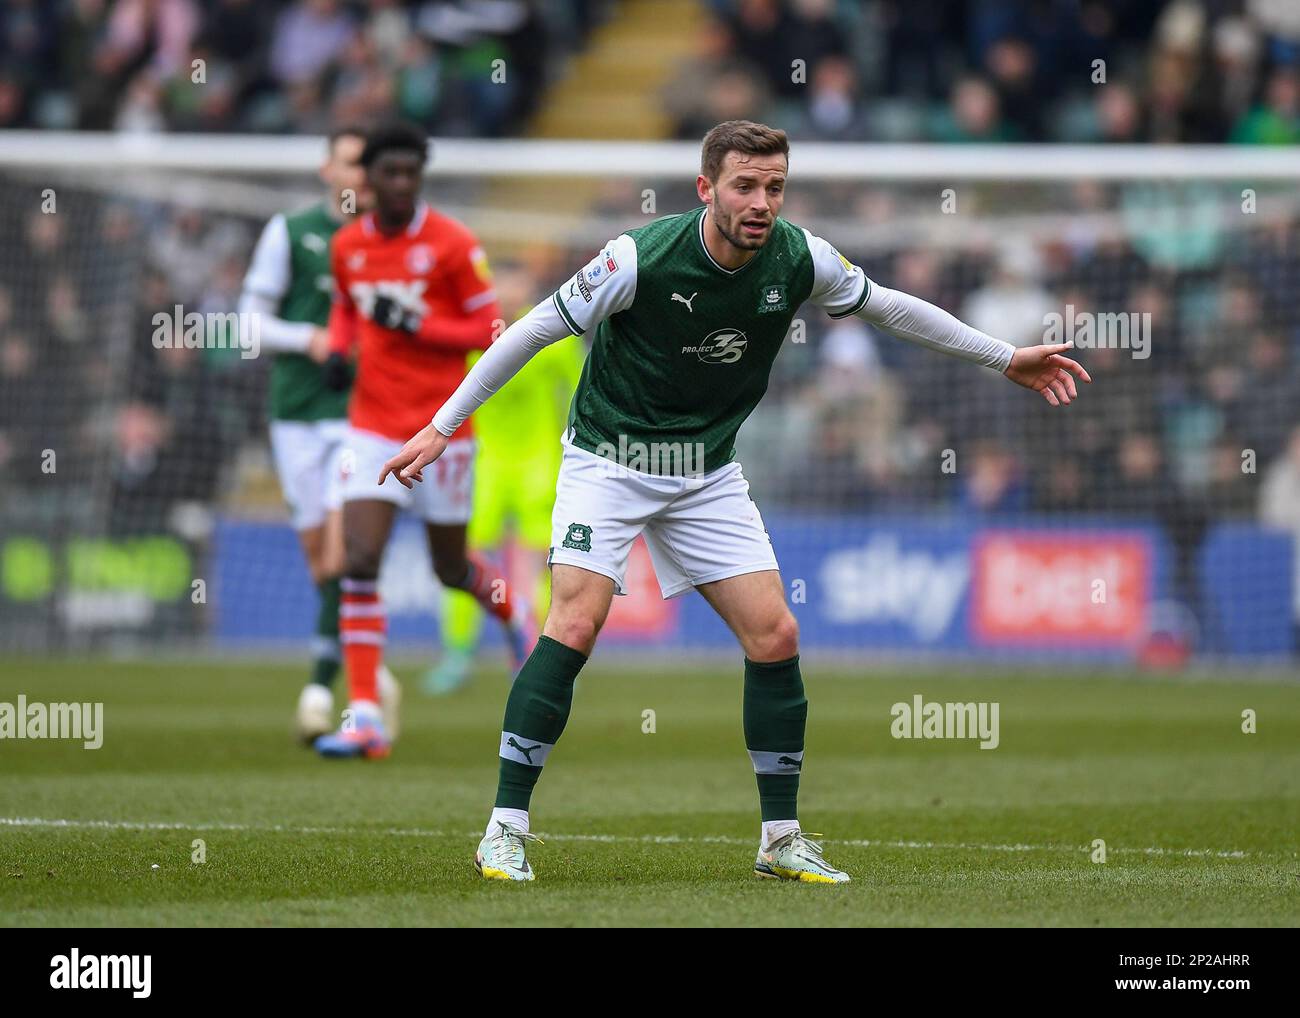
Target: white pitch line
<point x="646" y="839"/>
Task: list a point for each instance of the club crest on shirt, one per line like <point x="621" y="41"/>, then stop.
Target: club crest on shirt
<point x="772" y="298"/>
<point x="419" y="258"/>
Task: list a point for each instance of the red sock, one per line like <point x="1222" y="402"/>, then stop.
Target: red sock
<point x="361" y="632"/>
<point x="489" y="588"/>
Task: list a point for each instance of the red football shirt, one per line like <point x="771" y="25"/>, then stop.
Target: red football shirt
<point x="434" y="268"/>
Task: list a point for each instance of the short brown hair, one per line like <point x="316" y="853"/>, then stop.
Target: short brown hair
<point x="743" y="136"/>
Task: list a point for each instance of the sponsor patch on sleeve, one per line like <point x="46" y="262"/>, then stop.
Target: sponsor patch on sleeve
<point x="578" y="288"/>
<point x="599" y="269"/>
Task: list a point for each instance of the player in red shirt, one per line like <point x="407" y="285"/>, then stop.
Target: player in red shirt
<point x="413" y="295"/>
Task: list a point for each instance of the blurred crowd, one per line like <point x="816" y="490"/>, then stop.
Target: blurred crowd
<point x="1000" y="70"/>
<point x="281" y="66"/>
<point x="140" y="425"/>
<point x="1184" y="425"/>
<point x="849" y="70"/>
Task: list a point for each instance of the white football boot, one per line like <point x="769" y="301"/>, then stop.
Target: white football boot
<point x="500" y="854"/>
<point x="795" y="857"/>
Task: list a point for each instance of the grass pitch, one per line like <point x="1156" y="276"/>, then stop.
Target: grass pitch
<point x="1199" y="819"/>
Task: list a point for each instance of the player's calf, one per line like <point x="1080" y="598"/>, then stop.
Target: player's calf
<point x="363" y="626"/>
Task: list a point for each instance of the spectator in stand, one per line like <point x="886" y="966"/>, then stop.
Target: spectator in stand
<point x="1270" y="396"/>
<point x="991" y="480"/>
<point x="973" y="114"/>
<point x="833" y="111"/>
<point x="308" y="38"/>
<point x="1012" y="67"/>
<point x="1014" y="305"/>
<point x="1277" y="120"/>
<point x="1118" y="114"/>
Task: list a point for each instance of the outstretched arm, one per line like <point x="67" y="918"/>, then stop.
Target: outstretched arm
<point x="1040" y="368"/>
<point x="919" y="321"/>
<point x="842" y="289"/>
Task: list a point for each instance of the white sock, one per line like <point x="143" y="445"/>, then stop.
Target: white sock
<point x="774" y="830"/>
<point x="516" y="818"/>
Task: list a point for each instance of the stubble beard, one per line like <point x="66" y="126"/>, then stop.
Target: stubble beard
<point x="735" y="240"/>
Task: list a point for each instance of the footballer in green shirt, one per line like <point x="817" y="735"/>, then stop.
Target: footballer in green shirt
<point x="289" y="287"/>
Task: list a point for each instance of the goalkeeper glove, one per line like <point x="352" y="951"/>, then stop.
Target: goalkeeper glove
<point x="391" y="315"/>
<point x="337" y="371"/>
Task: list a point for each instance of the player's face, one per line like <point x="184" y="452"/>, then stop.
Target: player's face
<point x="395" y="178"/>
<point x="343" y="173"/>
<point x="747" y="198"/>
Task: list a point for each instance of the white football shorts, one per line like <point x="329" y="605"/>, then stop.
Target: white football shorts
<point x="307" y="461"/>
<point x="445" y="496"/>
<point x="698" y="529"/>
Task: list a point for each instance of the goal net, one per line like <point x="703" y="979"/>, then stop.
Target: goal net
<point x="918" y="505"/>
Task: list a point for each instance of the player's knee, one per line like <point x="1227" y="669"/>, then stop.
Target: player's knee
<point x="777" y="642"/>
<point x="577" y="630"/>
<point x="324" y="566"/>
<point x="361" y="563"/>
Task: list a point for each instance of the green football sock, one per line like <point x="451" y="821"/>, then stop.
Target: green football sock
<point x="776" y="713"/>
<point x="536" y="713"/>
<point x="325" y="666"/>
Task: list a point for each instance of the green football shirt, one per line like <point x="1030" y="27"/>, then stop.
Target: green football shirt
<point x="683" y="347"/>
<point x="291" y="266"/>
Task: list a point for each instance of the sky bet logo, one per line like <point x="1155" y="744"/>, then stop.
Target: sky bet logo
<point x="75" y="971"/>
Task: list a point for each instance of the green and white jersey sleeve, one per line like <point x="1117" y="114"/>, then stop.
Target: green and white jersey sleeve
<point x="839" y="287"/>
<point x="601" y="288"/>
<point x="269" y="276"/>
<point x="842" y="289"/>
